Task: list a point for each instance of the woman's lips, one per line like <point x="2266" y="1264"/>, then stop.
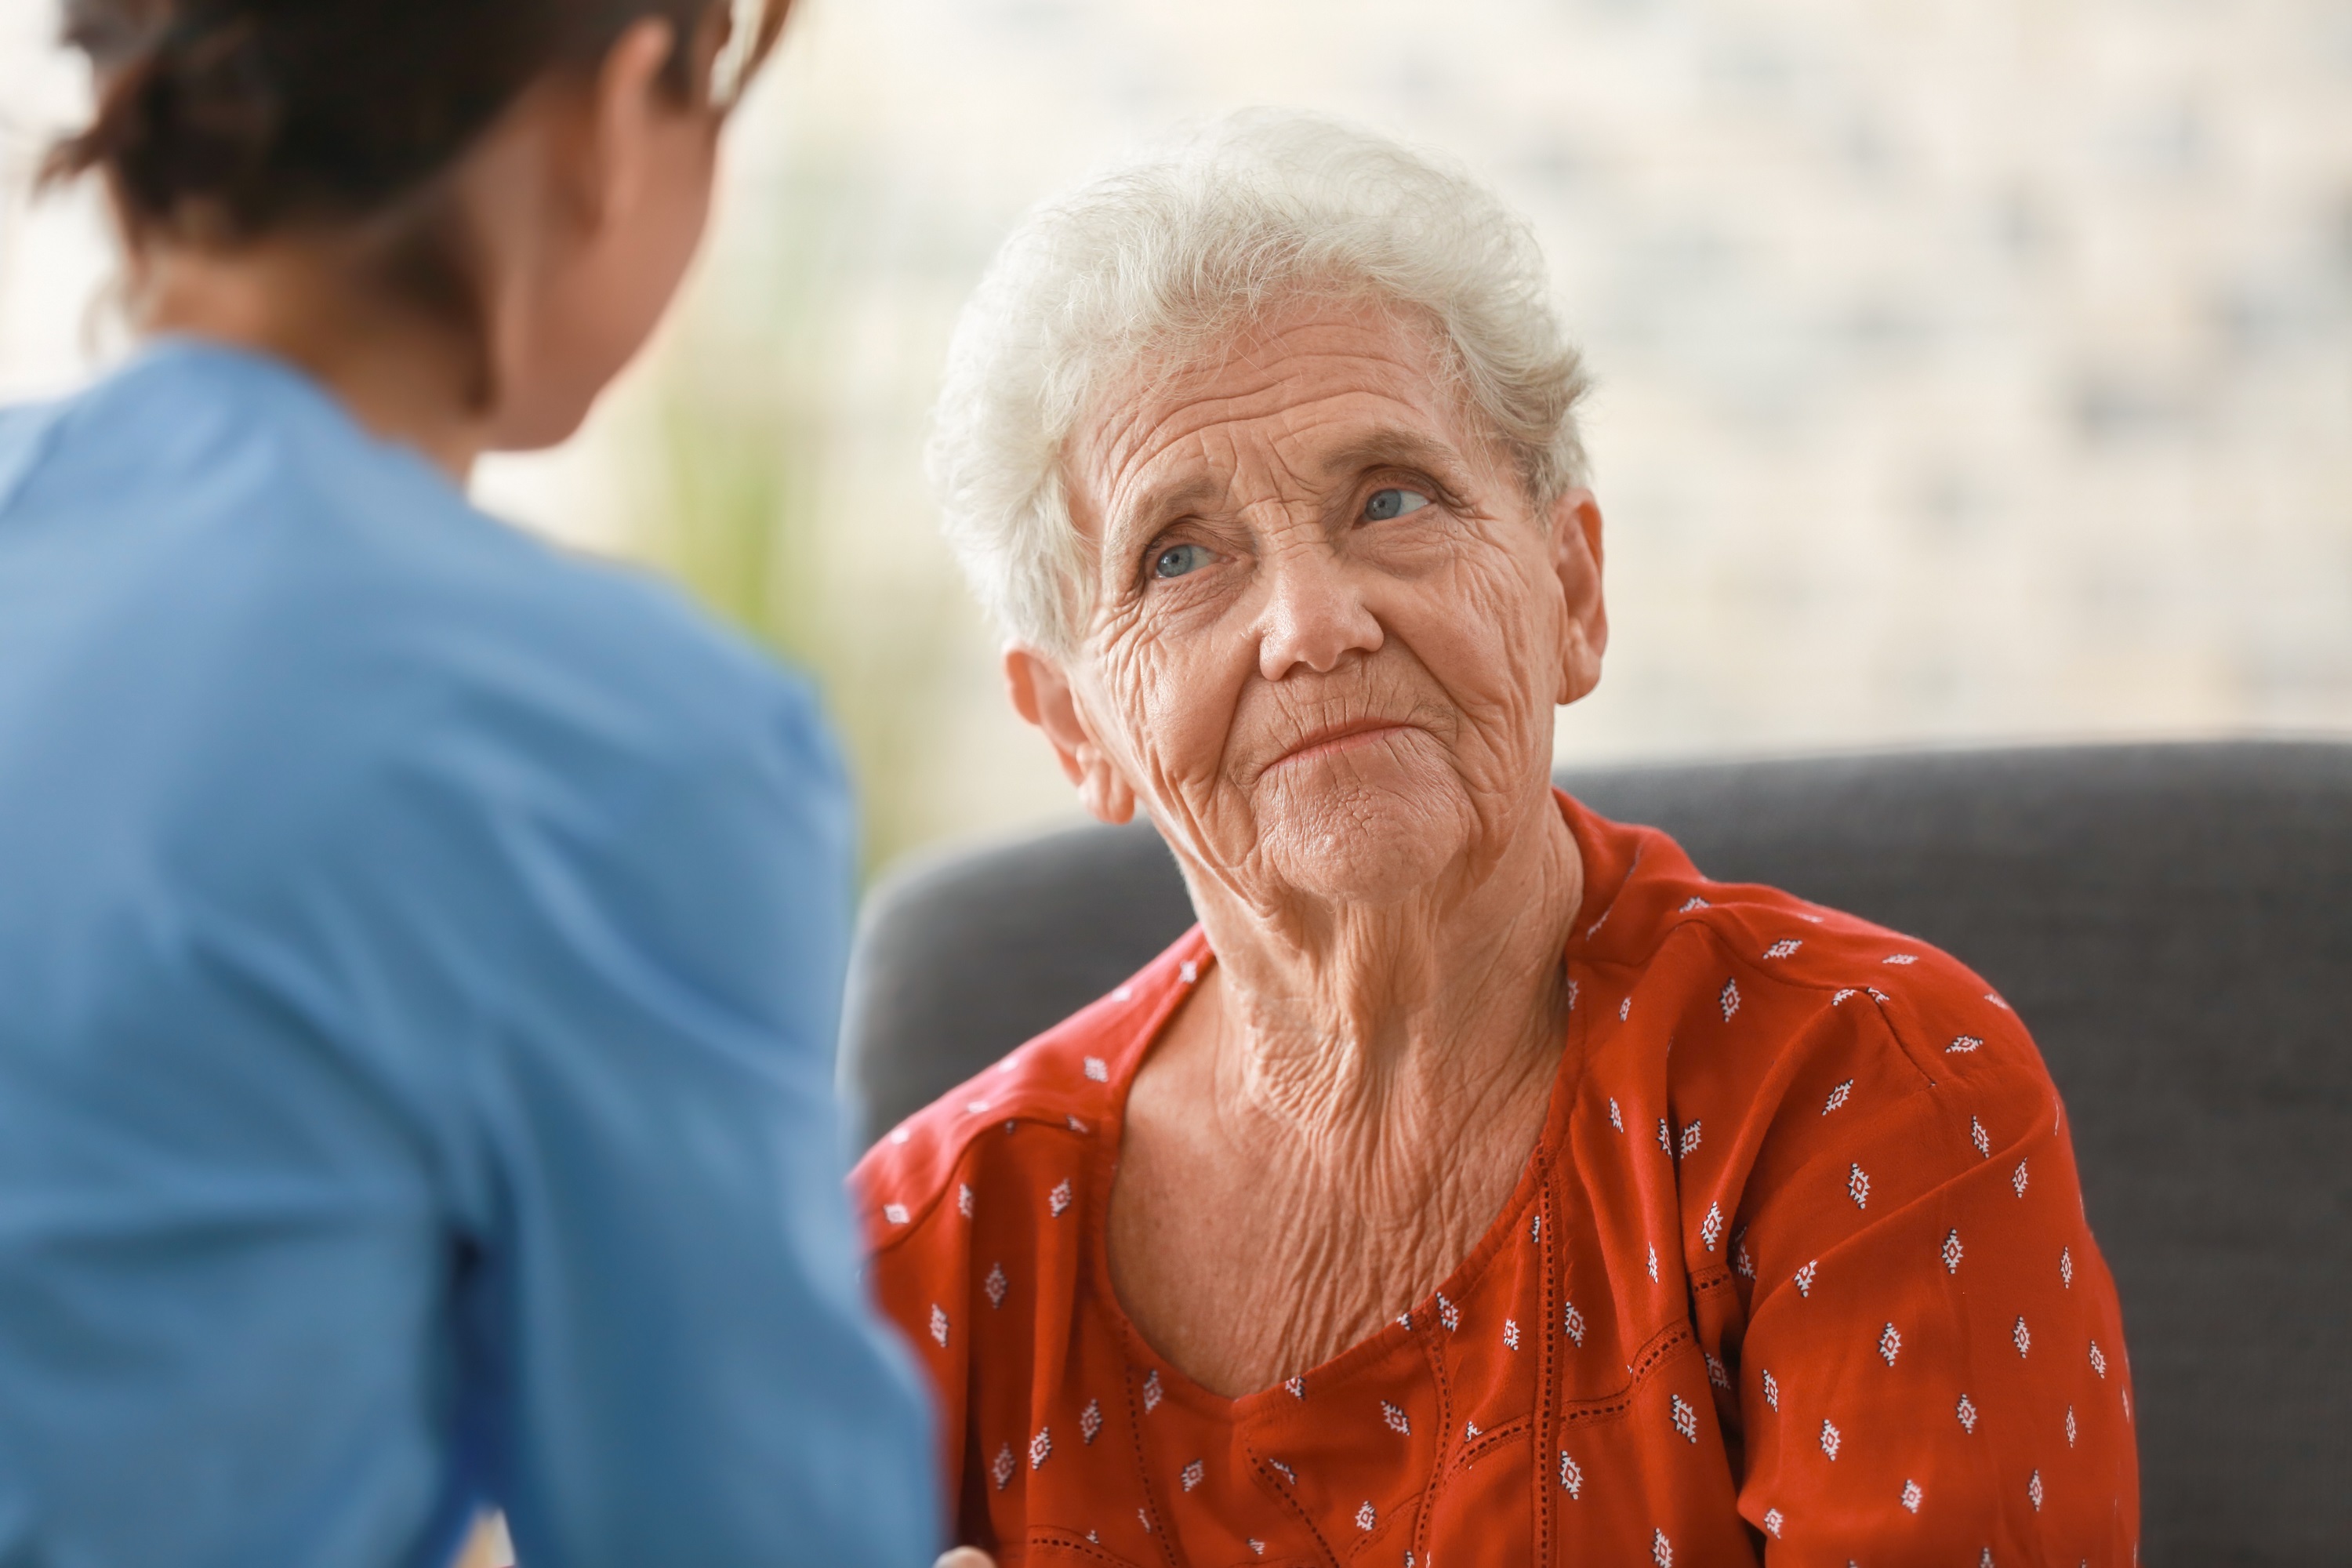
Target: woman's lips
<point x="1338" y="738"/>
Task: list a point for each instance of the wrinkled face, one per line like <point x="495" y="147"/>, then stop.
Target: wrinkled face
<point x="1328" y="628"/>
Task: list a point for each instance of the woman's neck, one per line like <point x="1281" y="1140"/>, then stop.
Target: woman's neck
<point x="404" y="376"/>
<point x="1373" y="1027"/>
<point x="1328" y="1129"/>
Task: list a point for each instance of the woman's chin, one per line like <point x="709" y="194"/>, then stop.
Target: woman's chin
<point x="1367" y="843"/>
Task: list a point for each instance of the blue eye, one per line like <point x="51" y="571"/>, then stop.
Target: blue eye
<point x="1179" y="559"/>
<point x="1389" y="503"/>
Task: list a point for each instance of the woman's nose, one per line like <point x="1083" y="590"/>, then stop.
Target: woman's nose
<point x="1316" y="617"/>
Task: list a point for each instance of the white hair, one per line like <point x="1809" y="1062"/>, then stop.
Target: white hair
<point x="1166" y="260"/>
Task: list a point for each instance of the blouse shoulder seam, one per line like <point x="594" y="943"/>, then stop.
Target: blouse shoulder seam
<point x="958" y="1151"/>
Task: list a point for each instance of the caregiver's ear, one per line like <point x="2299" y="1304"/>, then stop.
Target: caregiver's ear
<point x="1576" y="556"/>
<point x="1041" y="693"/>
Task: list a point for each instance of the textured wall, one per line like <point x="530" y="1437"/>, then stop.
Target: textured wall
<point x="1969" y="368"/>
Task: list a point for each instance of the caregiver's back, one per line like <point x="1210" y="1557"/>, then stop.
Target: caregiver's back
<point x="418" y="951"/>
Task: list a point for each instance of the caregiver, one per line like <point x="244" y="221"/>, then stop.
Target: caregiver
<point x="419" y="949"/>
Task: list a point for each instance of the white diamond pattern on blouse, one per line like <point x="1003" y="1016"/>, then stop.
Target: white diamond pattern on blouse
<point x="1571" y="1479"/>
<point x="1684" y="1419"/>
<point x="939" y="1325"/>
<point x="1654" y="1266"/>
<point x="1151" y="1394"/>
<point x="895" y="1213"/>
<point x="1395" y="1419"/>
<point x="1572" y="1323"/>
<point x="1890" y="1344"/>
<point x="1297" y="1387"/>
<point x="995" y="1285"/>
<point x="1977" y="1136"/>
<point x="1710" y="1229"/>
<point x="1838" y="1097"/>
<point x="1041" y="1446"/>
<point x="2070" y="1425"/>
<point x="1857" y="1187"/>
<point x="2098" y="1358"/>
<point x="1090" y="1421"/>
<point x="1717" y="1373"/>
<point x="1001" y="1468"/>
<point x="1912" y="1496"/>
<point x="1952" y="1252"/>
<point x="1729" y="998"/>
<point x="1900" y="958"/>
<point x="1615" y="1121"/>
<point x="1448" y="1313"/>
<point x="2034" y="1491"/>
<point x="2022" y="1339"/>
<point x="964" y="1199"/>
<point x="1188" y="972"/>
<point x="1805" y="1278"/>
<point x="1771" y="1390"/>
<point x="1783" y="948"/>
<point x="2066" y="1266"/>
<point x="1193" y="1475"/>
<point x="1963" y="1044"/>
<point x="1690" y="1139"/>
<point x="1829" y="1439"/>
<point x="1098" y="1070"/>
<point x="1365" y="1516"/>
<point x="1773" y="1521"/>
<point x="1058" y="1200"/>
<point x="2017" y="1179"/>
<point x="1661" y="1551"/>
<point x="1625" y="1009"/>
<point x="1511" y="1332"/>
<point x="1968" y="1414"/>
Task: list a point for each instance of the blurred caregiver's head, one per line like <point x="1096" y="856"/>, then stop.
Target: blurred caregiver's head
<point x="507" y="194"/>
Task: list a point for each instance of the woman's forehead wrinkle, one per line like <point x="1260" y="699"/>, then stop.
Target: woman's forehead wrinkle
<point x="1276" y="418"/>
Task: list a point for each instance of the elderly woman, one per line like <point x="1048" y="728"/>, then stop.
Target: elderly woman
<point x="1478" y="1182"/>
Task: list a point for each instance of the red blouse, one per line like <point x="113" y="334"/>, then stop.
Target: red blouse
<point x="1797" y="1271"/>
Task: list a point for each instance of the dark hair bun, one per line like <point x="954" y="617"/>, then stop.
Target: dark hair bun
<point x="230" y="118"/>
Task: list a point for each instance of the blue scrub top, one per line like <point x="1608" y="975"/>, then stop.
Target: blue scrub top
<point x="419" y="962"/>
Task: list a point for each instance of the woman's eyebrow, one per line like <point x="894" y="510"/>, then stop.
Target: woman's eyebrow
<point x="1391" y="447"/>
<point x="1158" y="503"/>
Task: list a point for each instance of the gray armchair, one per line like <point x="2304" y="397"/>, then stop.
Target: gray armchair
<point x="2174" y="923"/>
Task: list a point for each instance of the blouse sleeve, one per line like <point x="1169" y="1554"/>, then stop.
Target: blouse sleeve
<point x="1932" y="1350"/>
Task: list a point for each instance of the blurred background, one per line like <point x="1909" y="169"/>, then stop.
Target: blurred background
<point x="1971" y="370"/>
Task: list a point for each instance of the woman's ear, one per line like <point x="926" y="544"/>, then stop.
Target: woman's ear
<point x="1584" y="630"/>
<point x="1041" y="693"/>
